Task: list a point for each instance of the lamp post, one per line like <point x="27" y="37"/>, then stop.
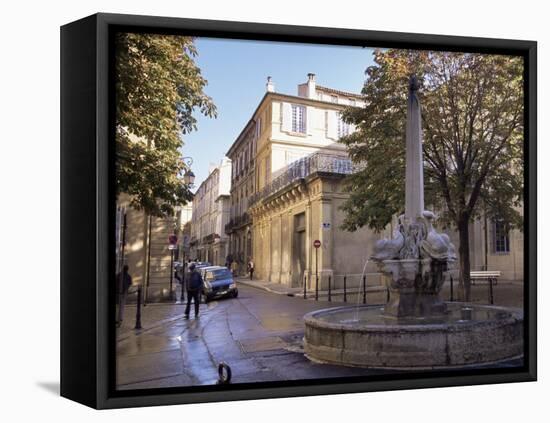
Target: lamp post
<point x="189" y="180"/>
<point x="188" y="176"/>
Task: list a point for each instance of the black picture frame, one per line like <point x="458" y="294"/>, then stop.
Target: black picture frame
<point x="87" y="210"/>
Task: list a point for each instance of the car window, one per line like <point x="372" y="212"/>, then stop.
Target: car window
<point x="218" y="274"/>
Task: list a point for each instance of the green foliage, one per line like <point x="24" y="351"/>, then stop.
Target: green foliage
<point x="158" y="89"/>
<point x="472" y="111"/>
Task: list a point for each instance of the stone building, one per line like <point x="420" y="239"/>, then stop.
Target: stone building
<point x="243" y="183"/>
<point x="286" y="187"/>
<point x="146" y="249"/>
<point x="210" y="215"/>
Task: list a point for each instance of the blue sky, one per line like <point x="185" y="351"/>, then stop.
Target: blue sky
<point x="236" y="72"/>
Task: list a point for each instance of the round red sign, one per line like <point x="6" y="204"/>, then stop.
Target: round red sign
<point x="172" y="239"/>
<point x="316" y="243"/>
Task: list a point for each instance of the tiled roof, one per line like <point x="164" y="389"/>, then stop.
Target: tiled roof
<point x="332" y="90"/>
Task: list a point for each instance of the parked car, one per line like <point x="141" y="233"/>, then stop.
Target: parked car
<point x="218" y="283"/>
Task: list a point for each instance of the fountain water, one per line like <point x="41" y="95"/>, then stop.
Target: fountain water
<point x="416" y="328"/>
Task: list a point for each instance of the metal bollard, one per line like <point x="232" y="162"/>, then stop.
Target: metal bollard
<point x="345" y="295"/>
<point x="305" y="285"/>
<point x="491" y="298"/>
<point x="451" y="288"/>
<point x="364" y="289"/>
<point x="387" y="294"/>
<point x="329" y="291"/>
<point x="138" y="309"/>
<point x="316" y="287"/>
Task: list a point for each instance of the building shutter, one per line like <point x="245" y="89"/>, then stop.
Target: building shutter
<point x="332" y="124"/>
<point x="309" y="120"/>
<point x="286" y="116"/>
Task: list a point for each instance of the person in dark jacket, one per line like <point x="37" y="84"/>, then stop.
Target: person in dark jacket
<point x="124" y="281"/>
<point x="194" y="289"/>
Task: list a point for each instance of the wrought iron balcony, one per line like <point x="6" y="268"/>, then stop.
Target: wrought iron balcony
<point x="302" y="168"/>
<point x="210" y="238"/>
<point x="237" y="222"/>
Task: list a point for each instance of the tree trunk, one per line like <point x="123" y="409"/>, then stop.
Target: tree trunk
<point x="464" y="253"/>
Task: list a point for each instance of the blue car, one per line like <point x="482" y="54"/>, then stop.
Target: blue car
<point x="218" y="283"/>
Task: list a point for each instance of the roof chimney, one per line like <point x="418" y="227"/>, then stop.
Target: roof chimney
<point x="269" y="86"/>
<point x="311" y="86"/>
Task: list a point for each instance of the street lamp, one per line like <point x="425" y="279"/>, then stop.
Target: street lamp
<point x="188" y="176"/>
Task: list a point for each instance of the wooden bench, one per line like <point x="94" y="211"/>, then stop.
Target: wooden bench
<point x="487" y="275"/>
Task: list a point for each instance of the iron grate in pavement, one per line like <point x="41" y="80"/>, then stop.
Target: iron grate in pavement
<point x="269" y="343"/>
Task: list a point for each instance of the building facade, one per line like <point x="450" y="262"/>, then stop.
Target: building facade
<point x="210" y="214"/>
<point x="243" y="184"/>
<point x="142" y="244"/>
<point x="288" y="191"/>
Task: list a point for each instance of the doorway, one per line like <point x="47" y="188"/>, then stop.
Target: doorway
<point x="299" y="250"/>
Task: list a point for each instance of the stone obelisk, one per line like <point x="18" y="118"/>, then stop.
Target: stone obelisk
<point x="414" y="182"/>
<point x="417" y="258"/>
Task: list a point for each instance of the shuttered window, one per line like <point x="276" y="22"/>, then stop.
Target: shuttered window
<point x="298" y="119"/>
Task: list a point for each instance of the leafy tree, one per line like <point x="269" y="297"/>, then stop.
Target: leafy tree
<point x="472" y="111"/>
<point x="158" y="88"/>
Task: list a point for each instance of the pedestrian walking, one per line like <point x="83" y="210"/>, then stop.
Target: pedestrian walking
<point x="234" y="267"/>
<point x="228" y="261"/>
<point x="194" y="289"/>
<point x="250" y="268"/>
<point x="124" y="281"/>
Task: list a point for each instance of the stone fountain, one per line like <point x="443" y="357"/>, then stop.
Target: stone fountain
<point x="416" y="329"/>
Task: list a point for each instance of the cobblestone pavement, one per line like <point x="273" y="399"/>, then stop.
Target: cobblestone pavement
<point x="259" y="334"/>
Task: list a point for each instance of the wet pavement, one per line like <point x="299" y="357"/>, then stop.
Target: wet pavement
<point x="259" y="335"/>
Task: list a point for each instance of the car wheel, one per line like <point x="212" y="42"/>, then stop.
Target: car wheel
<point x="205" y="299"/>
<point x="235" y="294"/>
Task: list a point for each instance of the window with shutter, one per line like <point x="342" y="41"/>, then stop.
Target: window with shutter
<point x="298" y="119"/>
<point x="286" y="117"/>
<point x="501" y="238"/>
<point x="343" y="127"/>
<point x="332" y="124"/>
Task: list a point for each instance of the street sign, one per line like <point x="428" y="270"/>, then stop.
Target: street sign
<point x="173" y="239"/>
<point x="316" y="243"/>
<point x="172" y="246"/>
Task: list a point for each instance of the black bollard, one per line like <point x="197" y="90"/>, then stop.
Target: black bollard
<point x="316" y="287"/>
<point x="345" y="295"/>
<point x="387" y="294"/>
<point x="305" y="286"/>
<point x="329" y="291"/>
<point x="182" y="295"/>
<point x="138" y="308"/>
<point x="491" y="298"/>
<point x="364" y="289"/>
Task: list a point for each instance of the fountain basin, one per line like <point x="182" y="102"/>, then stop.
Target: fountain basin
<point x="467" y="334"/>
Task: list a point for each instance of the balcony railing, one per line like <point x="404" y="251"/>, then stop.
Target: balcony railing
<point x="210" y="238"/>
<point x="301" y="168"/>
<point x="238" y="221"/>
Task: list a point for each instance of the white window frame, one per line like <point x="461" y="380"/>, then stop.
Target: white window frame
<point x="344" y="128"/>
<point x="299" y="118"/>
<point x="501" y="246"/>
